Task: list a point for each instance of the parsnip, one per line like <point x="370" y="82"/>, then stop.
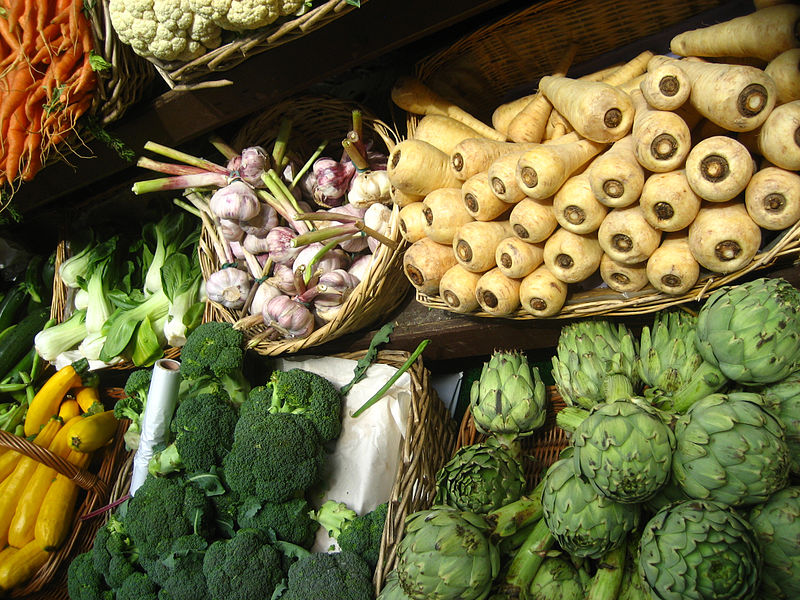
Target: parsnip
<point x="417" y="167"/>
<point x="424" y="263"/>
<point x="533" y="220"/>
<point x="785" y="72"/>
<point x="718" y="168"/>
<point x="778" y="140"/>
<point x="621" y="277"/>
<point x="444" y="213"/>
<point x="772" y="198"/>
<point x="668" y="202"/>
<point x="666" y="86"/>
<point x="661" y="138"/>
<point x="572" y="257"/>
<point x="445" y="133"/>
<point x="671" y="268"/>
<point x="505" y="113"/>
<point x="457" y="289"/>
<point x="479" y="199"/>
<point x="411" y="221"/>
<point x="541" y="293"/>
<point x="544" y="169"/>
<point x="557" y="127"/>
<point x="517" y="258"/>
<point x="576" y="207"/>
<point x="615" y="176"/>
<point x="497" y="294"/>
<point x="723" y="238"/>
<point x="628" y="71"/>
<point x="401" y="198"/>
<point x="474" y="155"/>
<point x="475" y="243"/>
<point x="626" y="236"/>
<point x="502" y="174"/>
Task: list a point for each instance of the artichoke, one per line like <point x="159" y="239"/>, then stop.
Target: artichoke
<point x="777" y="527"/>
<point x="586" y="354"/>
<point x="730" y="449"/>
<point x="751" y="331"/>
<point x="624" y="450"/>
<point x="556" y="579"/>
<point x="446" y="553"/>
<point x="783" y="399"/>
<point x="669" y="493"/>
<point x="480" y="478"/>
<point x="392" y="589"/>
<point x="509" y="399"/>
<point x="697" y="550"/>
<point x="584" y="522"/>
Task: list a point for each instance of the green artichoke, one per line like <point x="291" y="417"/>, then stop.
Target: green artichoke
<point x="446" y="553"/>
<point x="584" y="522"/>
<point x="586" y="354"/>
<point x="556" y="579"/>
<point x="698" y="550"/>
<point x="783" y="399"/>
<point x="730" y="449"/>
<point x="777" y="527"/>
<point x="392" y="590"/>
<point x="751" y="331"/>
<point x="669" y="493"/>
<point x="480" y="478"/>
<point x="624" y="450"/>
<point x="509" y="399"/>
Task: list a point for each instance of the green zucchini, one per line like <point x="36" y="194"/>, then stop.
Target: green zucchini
<point x="11" y="306"/>
<point x="19" y="340"/>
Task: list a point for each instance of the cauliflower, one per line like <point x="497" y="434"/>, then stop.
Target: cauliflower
<point x="164" y="29"/>
<point x="241" y="15"/>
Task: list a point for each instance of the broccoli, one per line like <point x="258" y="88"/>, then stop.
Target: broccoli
<point x="132" y="405"/>
<point x="203" y="427"/>
<point x="137" y="586"/>
<point x="363" y="534"/>
<point x="179" y="571"/>
<point x="311" y="395"/>
<point x="289" y="521"/>
<point x="226" y="509"/>
<point x="113" y="554"/>
<point x="214" y="351"/>
<point x="245" y="567"/>
<point x="333" y="516"/>
<point x="274" y="456"/>
<point x="83" y="582"/>
<point x="164" y="509"/>
<point x="329" y="576"/>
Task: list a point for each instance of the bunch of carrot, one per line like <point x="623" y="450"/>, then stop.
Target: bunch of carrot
<point x="638" y="177"/>
<point x="46" y="80"/>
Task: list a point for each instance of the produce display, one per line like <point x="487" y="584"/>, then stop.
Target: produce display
<point x="651" y="177"/>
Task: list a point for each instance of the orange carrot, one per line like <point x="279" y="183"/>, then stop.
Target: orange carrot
<point x="14" y="13"/>
<point x="15" y="137"/>
<point x="19" y="81"/>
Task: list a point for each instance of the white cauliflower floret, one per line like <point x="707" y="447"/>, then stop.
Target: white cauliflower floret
<point x="241" y="15"/>
<point x="162" y="29"/>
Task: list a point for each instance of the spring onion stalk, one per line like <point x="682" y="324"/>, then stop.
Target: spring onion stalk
<point x="358" y="159"/>
<point x="403" y="368"/>
<point x="167" y="168"/>
<point x="309" y="163"/>
<point x="281" y="142"/>
<point x="222" y="147"/>
<point x="309" y="271"/>
<point x="187" y="207"/>
<point x="180" y="182"/>
<point x="339" y="231"/>
<point x="201" y="163"/>
<point x="280" y="188"/>
<point x="328" y="216"/>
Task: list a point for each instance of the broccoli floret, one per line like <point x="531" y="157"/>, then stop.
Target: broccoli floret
<point x="329" y="576"/>
<point x="203" y="427"/>
<point x="132" y="405"/>
<point x="245" y="567"/>
<point x="215" y="350"/>
<point x="164" y="509"/>
<point x="289" y="521"/>
<point x="334" y="516"/>
<point x="179" y="571"/>
<point x="274" y="456"/>
<point x="363" y="534"/>
<point x="137" y="586"/>
<point x="113" y="553"/>
<point x="311" y="395"/>
<point x="83" y="582"/>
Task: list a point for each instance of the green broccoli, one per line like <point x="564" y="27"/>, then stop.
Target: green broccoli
<point x="83" y="582"/>
<point x="334" y="516"/>
<point x="363" y="534"/>
<point x="311" y="395"/>
<point x="132" y="405"/>
<point x="164" y="509"/>
<point x="245" y="567"/>
<point x="226" y="509"/>
<point x="329" y="576"/>
<point x="179" y="571"/>
<point x="113" y="554"/>
<point x="289" y="521"/>
<point x="137" y="586"/>
<point x="274" y="456"/>
<point x="214" y="351"/>
<point x="203" y="427"/>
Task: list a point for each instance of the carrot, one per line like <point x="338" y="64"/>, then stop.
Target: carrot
<point x="443" y="132"/>
<point x="517" y="258"/>
<point x="626" y="236"/>
<point x="533" y="220"/>
<point x="503" y="179"/>
<point x="723" y="238"/>
<point x="474" y="155"/>
<point x="761" y="34"/>
<point x="475" y="243"/>
<point x="541" y="294"/>
<point x="417" y="167"/>
<point x="615" y="176"/>
<point x="572" y="257"/>
<point x="598" y="111"/>
<point x="444" y="213"/>
<point x="497" y="293"/>
<point x="424" y="263"/>
<point x="784" y="70"/>
<point x="620" y="277"/>
<point x="666" y="86"/>
<point x="15" y="140"/>
<point x="14" y="14"/>
<point x="479" y="199"/>
<point x="661" y="138"/>
<point x="411" y="221"/>
<point x="772" y="198"/>
<point x="737" y="97"/>
<point x="505" y="113"/>
<point x="671" y="268"/>
<point x="778" y="139"/>
<point x="575" y="206"/>
<point x="19" y="81"/>
<point x="718" y="168"/>
<point x="668" y="202"/>
<point x="413" y="96"/>
<point x="457" y="289"/>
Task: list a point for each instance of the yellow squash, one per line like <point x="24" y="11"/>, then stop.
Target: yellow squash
<point x="47" y="400"/>
<point x="88" y="396"/>
<point x="69" y="408"/>
<point x="9" y="459"/>
<point x="19" y="566"/>
<point x="92" y="432"/>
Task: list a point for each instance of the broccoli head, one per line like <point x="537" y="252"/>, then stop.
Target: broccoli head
<point x="137" y="586"/>
<point x="132" y="405"/>
<point x="334" y="516"/>
<point x="363" y="534"/>
<point x="303" y="392"/>
<point x="214" y="351"/>
<point x="245" y="567"/>
<point x="113" y="553"/>
<point x="289" y="521"/>
<point x="179" y="571"/>
<point x="273" y="457"/>
<point x="83" y="582"/>
<point x="203" y="428"/>
<point x="329" y="576"/>
<point x="163" y="510"/>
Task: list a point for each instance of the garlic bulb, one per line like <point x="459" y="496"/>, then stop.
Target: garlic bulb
<point x="264" y="293"/>
<point x="368" y="188"/>
<point x="236" y="201"/>
<point x="253" y="164"/>
<point x="333" y="288"/>
<point x="361" y="266"/>
<point x="260" y="225"/>
<point x="291" y="318"/>
<point x="228" y="286"/>
<point x="378" y="217"/>
<point x="332" y="259"/>
<point x="279" y="243"/>
<point x="230" y="230"/>
<point x="236" y="249"/>
<point x="283" y="279"/>
<point x="255" y="245"/>
<point x="355" y="244"/>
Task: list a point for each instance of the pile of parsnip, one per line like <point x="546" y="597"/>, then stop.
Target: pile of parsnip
<point x="647" y="172"/>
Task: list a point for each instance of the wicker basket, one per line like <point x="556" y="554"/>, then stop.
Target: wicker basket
<point x="50" y="581"/>
<point x="191" y="74"/>
<point x="315" y="119"/>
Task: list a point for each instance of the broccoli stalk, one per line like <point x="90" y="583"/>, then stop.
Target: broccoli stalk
<point x="334" y="517"/>
<point x="360" y="534"/>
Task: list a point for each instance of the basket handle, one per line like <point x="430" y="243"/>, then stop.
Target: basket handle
<point x="81" y="477"/>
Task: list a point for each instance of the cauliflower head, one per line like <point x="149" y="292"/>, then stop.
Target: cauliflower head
<point x="164" y="29"/>
<point x="241" y="15"/>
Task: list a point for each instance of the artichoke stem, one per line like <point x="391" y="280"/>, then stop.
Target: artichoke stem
<point x="608" y="579"/>
<point x="570" y="417"/>
<point x="515" y="516"/>
<point x="617" y="387"/>
<point x="527" y="561"/>
<point x="706" y="380"/>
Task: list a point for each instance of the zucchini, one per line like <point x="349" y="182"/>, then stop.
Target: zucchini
<point x="92" y="432"/>
<point x="11" y="305"/>
<point x="54" y="521"/>
<point x="18" y="567"/>
<point x="20" y="340"/>
<point x="47" y="400"/>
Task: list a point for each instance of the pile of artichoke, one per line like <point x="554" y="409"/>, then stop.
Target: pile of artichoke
<point x="680" y="480"/>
